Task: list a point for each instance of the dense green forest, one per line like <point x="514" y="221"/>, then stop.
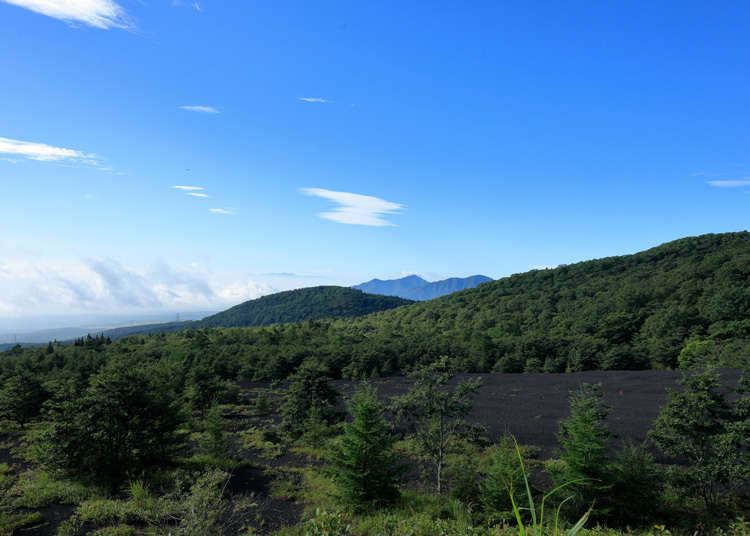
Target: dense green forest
<point x="313" y="303"/>
<point x="682" y="304"/>
<point x="133" y="431"/>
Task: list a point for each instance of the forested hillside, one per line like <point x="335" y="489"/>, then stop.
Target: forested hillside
<point x="682" y="304"/>
<point x="313" y="303"/>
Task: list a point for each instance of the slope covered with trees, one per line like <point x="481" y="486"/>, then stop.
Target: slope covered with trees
<point x="682" y="304"/>
<point x="313" y="303"/>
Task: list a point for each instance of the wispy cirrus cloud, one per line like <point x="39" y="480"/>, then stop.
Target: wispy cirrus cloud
<point x="225" y="211"/>
<point x="356" y="209"/>
<point x="313" y="99"/>
<point x="103" y="14"/>
<point x="739" y="183"/>
<point x="187" y="188"/>
<point x="197" y="194"/>
<point x="43" y="152"/>
<point x="200" y="109"/>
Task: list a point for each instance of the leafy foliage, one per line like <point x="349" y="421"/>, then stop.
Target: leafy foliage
<point x="699" y="426"/>
<point x="436" y="411"/>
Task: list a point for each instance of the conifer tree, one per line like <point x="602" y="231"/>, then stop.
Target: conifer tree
<point x="364" y="464"/>
<point x="584" y="438"/>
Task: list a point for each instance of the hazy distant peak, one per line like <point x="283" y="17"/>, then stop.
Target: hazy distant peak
<point x="413" y="287"/>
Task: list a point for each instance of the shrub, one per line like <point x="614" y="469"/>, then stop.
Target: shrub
<point x="637" y="485"/>
<point x="504" y="479"/>
<point x="327" y="524"/>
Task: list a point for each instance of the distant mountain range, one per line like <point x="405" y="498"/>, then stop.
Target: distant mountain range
<point x="313" y="303"/>
<point x="413" y="287"/>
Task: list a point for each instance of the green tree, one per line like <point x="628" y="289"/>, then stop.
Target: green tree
<point x="437" y="412"/>
<point x="121" y="425"/>
<point x="204" y="387"/>
<point x="309" y="389"/>
<point x="699" y="425"/>
<point x="505" y="476"/>
<point x="584" y="437"/>
<point x="216" y="442"/>
<point x="364" y="465"/>
<point x="21" y="398"/>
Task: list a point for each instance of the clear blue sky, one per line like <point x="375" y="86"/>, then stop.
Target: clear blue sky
<point x="495" y="136"/>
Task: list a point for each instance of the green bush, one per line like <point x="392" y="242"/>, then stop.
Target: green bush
<point x="637" y="485"/>
<point x="36" y="489"/>
<point x="504" y="479"/>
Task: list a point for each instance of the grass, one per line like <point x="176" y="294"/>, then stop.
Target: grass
<point x="35" y="489"/>
<point x="10" y="522"/>
<point x="256" y="438"/>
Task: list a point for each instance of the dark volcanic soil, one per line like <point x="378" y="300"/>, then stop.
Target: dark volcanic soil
<point x="530" y="406"/>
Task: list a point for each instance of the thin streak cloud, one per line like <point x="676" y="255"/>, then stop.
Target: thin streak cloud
<point x="313" y="99"/>
<point x="730" y="183"/>
<point x="356" y="209"/>
<point x="200" y="109"/>
<point x="225" y="211"/>
<point x="187" y="188"/>
<point x="43" y="152"/>
<point x="197" y="194"/>
<point x="102" y="14"/>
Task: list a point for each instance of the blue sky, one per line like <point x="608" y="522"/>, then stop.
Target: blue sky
<point x="340" y="141"/>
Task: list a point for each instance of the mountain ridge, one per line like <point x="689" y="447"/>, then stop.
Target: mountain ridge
<point x="414" y="287"/>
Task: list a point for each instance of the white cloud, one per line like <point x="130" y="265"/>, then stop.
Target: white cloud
<point x="197" y="194"/>
<point x="102" y="14"/>
<point x="200" y="109"/>
<point x="197" y="6"/>
<point x="187" y="188"/>
<point x="730" y="183"/>
<point x="356" y="209"/>
<point x="43" y="152"/>
<point x="30" y="288"/>
<point x="312" y="99"/>
<point x="226" y="211"/>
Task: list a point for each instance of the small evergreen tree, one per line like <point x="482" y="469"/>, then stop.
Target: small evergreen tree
<point x="583" y="437"/>
<point x="505" y="476"/>
<point x="21" y="398"/>
<point x="309" y="388"/>
<point x="216" y="443"/>
<point x="436" y="412"/>
<point x="364" y="464"/>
